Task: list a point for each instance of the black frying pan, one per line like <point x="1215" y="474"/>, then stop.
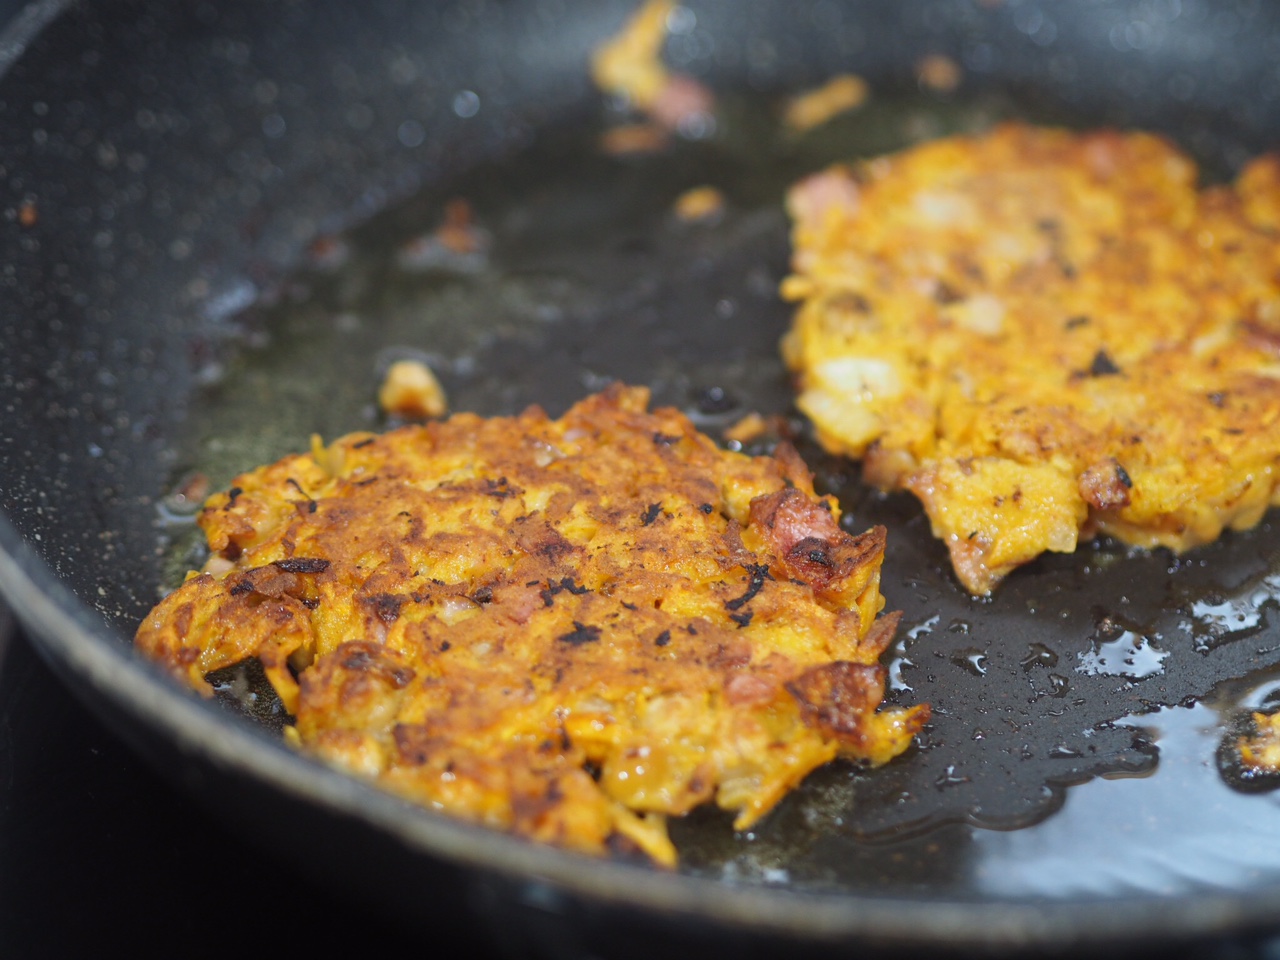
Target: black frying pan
<point x="179" y="179"/>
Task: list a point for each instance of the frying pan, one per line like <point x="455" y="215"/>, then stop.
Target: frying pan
<point x="208" y="210"/>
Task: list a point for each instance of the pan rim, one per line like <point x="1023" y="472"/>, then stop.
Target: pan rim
<point x="70" y="635"/>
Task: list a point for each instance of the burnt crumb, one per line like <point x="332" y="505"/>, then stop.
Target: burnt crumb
<point x="1123" y="476"/>
<point x="361" y="444"/>
<point x="386" y="607"/>
<point x="813" y="551"/>
<point x="1103" y="365"/>
<point x="1079" y="320"/>
<point x="566" y="585"/>
<point x="666" y="439"/>
<point x="662" y="639"/>
<point x="483" y="595"/>
<point x="742" y="619"/>
<point x="500" y="488"/>
<point x="580" y="634"/>
<point x="555" y="550"/>
<point x="759" y="573"/>
<point x="232" y="494"/>
<point x="650" y="514"/>
<point x="241" y="587"/>
<point x="302" y="565"/>
<point x="629" y="606"/>
<point x="707" y="508"/>
<point x="445" y="646"/>
<point x="691" y="630"/>
<point x="310" y="603"/>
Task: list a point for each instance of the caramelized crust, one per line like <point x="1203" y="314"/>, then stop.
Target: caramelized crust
<point x="1043" y="335"/>
<point x="569" y="629"/>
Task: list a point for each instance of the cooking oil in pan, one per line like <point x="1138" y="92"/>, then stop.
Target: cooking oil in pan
<point x="1074" y="702"/>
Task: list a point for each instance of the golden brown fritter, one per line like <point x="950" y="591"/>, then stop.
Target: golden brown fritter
<point x="569" y="629"/>
<point x="1044" y="335"/>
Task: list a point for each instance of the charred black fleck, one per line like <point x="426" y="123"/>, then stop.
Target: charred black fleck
<point x="1103" y="365"/>
<point x="758" y="573"/>
<point x="302" y="565"/>
<point x="580" y="634"/>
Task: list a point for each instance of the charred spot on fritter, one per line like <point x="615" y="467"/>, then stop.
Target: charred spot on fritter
<point x="569" y="629"/>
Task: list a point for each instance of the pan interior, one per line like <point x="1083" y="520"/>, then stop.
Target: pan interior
<point x="1082" y="717"/>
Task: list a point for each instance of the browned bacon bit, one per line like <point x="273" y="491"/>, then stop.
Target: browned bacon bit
<point x="1106" y="485"/>
<point x="791" y="517"/>
<point x="839" y="698"/>
<point x="881" y="634"/>
<point x="480" y="619"/>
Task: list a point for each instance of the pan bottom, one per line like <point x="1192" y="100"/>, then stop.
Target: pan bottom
<point x="1078" y="715"/>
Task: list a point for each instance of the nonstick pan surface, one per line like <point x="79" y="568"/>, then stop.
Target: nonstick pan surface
<point x="209" y="256"/>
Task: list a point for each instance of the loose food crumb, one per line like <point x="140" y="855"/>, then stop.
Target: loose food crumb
<point x="939" y="73"/>
<point x="633" y="138"/>
<point x="459" y="243"/>
<point x="815" y="107"/>
<point x="699" y="204"/>
<point x="411" y="391"/>
<point x="629" y="66"/>
<point x="751" y="427"/>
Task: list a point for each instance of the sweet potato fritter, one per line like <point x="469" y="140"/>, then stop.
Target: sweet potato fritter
<point x="1044" y="335"/>
<point x="568" y="629"/>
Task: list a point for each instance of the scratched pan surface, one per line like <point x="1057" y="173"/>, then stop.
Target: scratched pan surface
<point x="214" y="247"/>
